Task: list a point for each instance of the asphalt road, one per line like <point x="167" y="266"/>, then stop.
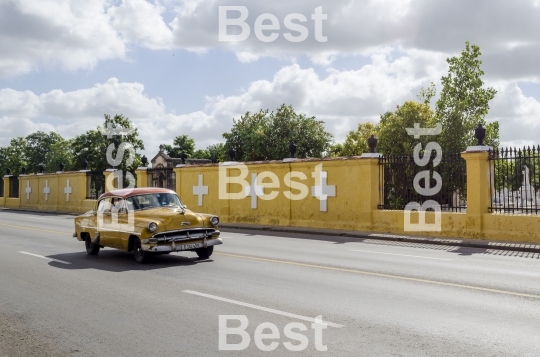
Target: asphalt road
<point x="377" y="298"/>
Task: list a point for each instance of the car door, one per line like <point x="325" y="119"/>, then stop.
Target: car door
<point x="105" y="225"/>
<point x="126" y="219"/>
<point x="113" y="234"/>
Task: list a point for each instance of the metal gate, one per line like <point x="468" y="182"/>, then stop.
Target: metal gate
<point x="161" y="176"/>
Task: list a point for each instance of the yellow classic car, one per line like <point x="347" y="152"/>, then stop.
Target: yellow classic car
<point x="146" y="221"/>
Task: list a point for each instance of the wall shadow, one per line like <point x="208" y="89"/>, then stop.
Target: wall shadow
<point x="336" y="239"/>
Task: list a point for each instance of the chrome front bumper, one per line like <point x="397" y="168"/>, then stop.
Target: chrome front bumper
<point x="173" y="247"/>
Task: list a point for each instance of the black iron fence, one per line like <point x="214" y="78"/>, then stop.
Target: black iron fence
<point x="515" y="180"/>
<point x="95" y="184"/>
<point x="1" y="187"/>
<point x="162" y="177"/>
<point x="14" y="186"/>
<point x="397" y="177"/>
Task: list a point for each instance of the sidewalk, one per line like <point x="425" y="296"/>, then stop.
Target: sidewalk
<point x="471" y="243"/>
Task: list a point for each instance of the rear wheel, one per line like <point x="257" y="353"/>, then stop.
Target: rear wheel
<point x="205" y="253"/>
<point x="140" y="255"/>
<point x="91" y="248"/>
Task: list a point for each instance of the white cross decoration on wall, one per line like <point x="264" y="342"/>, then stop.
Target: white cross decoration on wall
<point x="323" y="191"/>
<point x="254" y="191"/>
<point x="200" y="190"/>
<point x="67" y="190"/>
<point x="28" y="189"/>
<point x="46" y="190"/>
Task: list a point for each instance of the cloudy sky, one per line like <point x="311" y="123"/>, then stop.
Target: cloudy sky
<point x="65" y="63"/>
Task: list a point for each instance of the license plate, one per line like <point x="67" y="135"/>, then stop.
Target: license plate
<point x="189" y="246"/>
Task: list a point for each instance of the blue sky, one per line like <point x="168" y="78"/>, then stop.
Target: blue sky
<point x="65" y="63"/>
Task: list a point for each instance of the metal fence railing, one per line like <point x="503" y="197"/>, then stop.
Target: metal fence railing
<point x="14" y="186"/>
<point x="397" y="174"/>
<point x="95" y="184"/>
<point x="515" y="180"/>
<point x="162" y="177"/>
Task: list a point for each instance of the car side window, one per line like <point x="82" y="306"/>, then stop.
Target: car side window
<point x="104" y="205"/>
<point x="117" y="204"/>
<point x="132" y="204"/>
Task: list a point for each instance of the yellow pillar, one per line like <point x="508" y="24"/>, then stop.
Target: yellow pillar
<point x="142" y="177"/>
<point x="12" y="202"/>
<point x="478" y="195"/>
<point x="178" y="179"/>
<point x="369" y="189"/>
<point x="111" y="182"/>
<point x="5" y="191"/>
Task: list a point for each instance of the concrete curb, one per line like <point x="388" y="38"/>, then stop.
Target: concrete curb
<point x="470" y="243"/>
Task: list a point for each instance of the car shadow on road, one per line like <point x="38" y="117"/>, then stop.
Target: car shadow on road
<point x="118" y="261"/>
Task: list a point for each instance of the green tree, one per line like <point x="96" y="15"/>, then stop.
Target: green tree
<point x="214" y="152"/>
<point x="266" y="135"/>
<point x="336" y="150"/>
<point x="60" y="152"/>
<point x="356" y="141"/>
<point x="38" y="145"/>
<point x="14" y="157"/>
<point x="392" y="133"/>
<point x="92" y="145"/>
<point x="464" y="102"/>
<point x="182" y="143"/>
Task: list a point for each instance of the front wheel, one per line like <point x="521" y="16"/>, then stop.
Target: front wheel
<point x="205" y="253"/>
<point x="140" y="255"/>
<point x="91" y="248"/>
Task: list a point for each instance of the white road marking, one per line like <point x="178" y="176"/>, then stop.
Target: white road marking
<point x="402" y="255"/>
<point x="262" y="308"/>
<point x="35" y="217"/>
<point x="41" y="256"/>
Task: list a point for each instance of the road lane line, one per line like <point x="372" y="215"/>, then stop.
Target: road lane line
<point x="463" y="286"/>
<point x="43" y="257"/>
<point x="390" y="276"/>
<point x="262" y="308"/>
<point x="402" y="255"/>
<point x="32" y="229"/>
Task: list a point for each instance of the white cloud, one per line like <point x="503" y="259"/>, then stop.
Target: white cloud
<point x="341" y="98"/>
<point x="142" y="22"/>
<point x="72" y="113"/>
<point x="55" y="33"/>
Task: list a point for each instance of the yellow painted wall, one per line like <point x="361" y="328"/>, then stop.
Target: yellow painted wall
<point x="354" y="207"/>
<point x="55" y="200"/>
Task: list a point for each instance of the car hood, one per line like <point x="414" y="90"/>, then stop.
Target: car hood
<point x="170" y="219"/>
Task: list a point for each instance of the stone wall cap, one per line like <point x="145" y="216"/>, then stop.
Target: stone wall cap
<point x="370" y="155"/>
<point x="478" y="148"/>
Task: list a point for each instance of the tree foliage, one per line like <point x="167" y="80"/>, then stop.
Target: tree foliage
<point x="392" y="133"/>
<point x="464" y="102"/>
<point x="38" y="145"/>
<point x="92" y="145"/>
<point x="214" y="152"/>
<point x="182" y="143"/>
<point x="266" y="135"/>
<point x="356" y="141"/>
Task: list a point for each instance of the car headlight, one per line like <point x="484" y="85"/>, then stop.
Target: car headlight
<point x="214" y="221"/>
<point x="152" y="227"/>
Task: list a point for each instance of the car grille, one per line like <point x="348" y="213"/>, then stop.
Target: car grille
<point x="176" y="236"/>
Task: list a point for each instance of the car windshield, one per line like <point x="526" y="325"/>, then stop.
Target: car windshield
<point x="153" y="200"/>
